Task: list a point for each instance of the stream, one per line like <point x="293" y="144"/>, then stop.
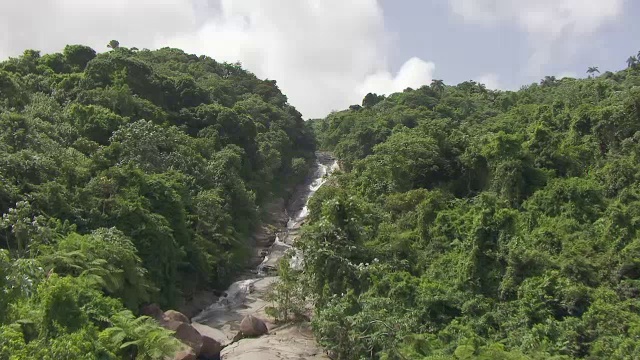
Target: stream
<point x="244" y="296"/>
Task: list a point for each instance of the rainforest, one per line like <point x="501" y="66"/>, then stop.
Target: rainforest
<point x="127" y="178"/>
<point x="470" y="223"/>
<point x="461" y="223"/>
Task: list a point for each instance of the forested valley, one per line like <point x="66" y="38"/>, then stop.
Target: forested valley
<point x="464" y="223"/>
<point x="470" y="223"/>
<point x="126" y="178"/>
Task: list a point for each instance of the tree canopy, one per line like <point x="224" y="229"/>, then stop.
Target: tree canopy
<point x="472" y="223"/>
<point x="128" y="177"/>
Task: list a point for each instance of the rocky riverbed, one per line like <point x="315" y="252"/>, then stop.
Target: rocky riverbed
<point x="247" y="296"/>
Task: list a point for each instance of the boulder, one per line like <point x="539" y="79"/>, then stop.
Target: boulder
<point x="152" y="310"/>
<point x="252" y="326"/>
<point x="172" y="315"/>
<point x="185" y="354"/>
<point x="212" y="340"/>
<point x="185" y="333"/>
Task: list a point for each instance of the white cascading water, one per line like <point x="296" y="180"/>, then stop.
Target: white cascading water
<point x="238" y="291"/>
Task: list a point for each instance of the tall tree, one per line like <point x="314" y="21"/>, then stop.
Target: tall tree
<point x="371" y="99"/>
<point x="592" y="70"/>
<point x="632" y="61"/>
<point x="548" y="81"/>
<point x="437" y="85"/>
<point x="113" y="44"/>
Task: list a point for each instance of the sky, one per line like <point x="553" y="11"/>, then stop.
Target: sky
<point x="327" y="54"/>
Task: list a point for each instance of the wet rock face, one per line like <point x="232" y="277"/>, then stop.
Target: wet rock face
<point x="252" y="326"/>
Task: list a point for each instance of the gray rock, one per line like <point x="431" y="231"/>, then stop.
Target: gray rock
<point x="213" y="340"/>
<point x="186" y="334"/>
<point x="252" y="326"/>
<point x="172" y="315"/>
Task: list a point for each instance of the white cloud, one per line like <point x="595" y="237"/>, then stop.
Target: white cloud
<point x="325" y="54"/>
<point x="414" y="73"/>
<point x="551" y="17"/>
<point x="489" y="80"/>
<point x="48" y="25"/>
<point x="553" y="25"/>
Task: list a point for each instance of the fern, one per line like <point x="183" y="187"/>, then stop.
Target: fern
<point x="142" y="336"/>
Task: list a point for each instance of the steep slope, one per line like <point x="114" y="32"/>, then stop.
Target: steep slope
<point x="129" y="177"/>
<point x="472" y="223"/>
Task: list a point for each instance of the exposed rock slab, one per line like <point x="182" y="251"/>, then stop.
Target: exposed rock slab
<point x="293" y="341"/>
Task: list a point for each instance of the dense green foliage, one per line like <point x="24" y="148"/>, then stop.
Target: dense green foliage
<point x="129" y="177"/>
<point x="470" y="223"/>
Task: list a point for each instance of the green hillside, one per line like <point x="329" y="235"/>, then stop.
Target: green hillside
<point x="470" y="223"/>
<point x="129" y="177"/>
<point x="465" y="223"/>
